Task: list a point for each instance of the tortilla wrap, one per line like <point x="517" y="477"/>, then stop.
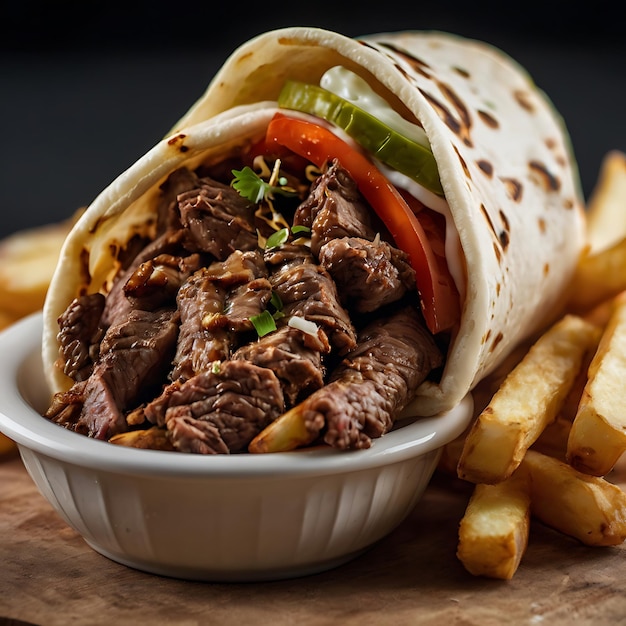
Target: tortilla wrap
<point x="503" y="154"/>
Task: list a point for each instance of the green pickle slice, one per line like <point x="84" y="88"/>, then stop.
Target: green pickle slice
<point x="395" y="150"/>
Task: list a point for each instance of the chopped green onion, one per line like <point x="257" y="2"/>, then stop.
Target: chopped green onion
<point x="276" y="302"/>
<point x="296" y="230"/>
<point x="263" y="323"/>
<point x="278" y="238"/>
<point x="306" y="326"/>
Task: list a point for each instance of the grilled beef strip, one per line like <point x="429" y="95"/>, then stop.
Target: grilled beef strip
<point x="369" y="271"/>
<point x="134" y="358"/>
<point x="307" y="290"/>
<point x="80" y="334"/>
<point x="136" y="287"/>
<point x="334" y="209"/>
<point x="218" y="219"/>
<point x="374" y="382"/>
<point x="368" y="274"/>
<point x="294" y="356"/>
<point x="214" y="304"/>
<point x="156" y="282"/>
<point x="218" y="411"/>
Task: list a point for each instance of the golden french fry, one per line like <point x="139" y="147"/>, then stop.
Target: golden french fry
<point x="598" y="435"/>
<point x="606" y="209"/>
<point x="553" y="440"/>
<point x="589" y="508"/>
<point x="598" y="277"/>
<point x="601" y="271"/>
<point x="27" y="260"/>
<point x="572" y="400"/>
<point x="493" y="533"/>
<point x="527" y="401"/>
<point x="288" y="432"/>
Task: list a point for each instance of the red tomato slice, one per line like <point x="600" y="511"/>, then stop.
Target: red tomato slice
<point x="440" y="303"/>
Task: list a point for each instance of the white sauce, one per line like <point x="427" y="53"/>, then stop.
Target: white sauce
<point x="349" y="86"/>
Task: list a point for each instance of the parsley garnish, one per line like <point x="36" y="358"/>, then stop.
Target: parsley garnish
<point x="251" y="186"/>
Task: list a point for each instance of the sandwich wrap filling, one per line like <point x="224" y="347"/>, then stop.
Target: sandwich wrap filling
<point x="509" y="187"/>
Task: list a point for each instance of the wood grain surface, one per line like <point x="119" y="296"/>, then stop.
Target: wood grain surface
<point x="49" y="576"/>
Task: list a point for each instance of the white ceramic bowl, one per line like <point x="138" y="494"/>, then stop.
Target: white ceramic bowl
<point x="215" y="518"/>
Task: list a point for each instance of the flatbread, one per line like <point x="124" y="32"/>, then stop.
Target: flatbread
<point x="504" y="158"/>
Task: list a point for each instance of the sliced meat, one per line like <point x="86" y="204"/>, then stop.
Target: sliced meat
<point x="219" y="411"/>
<point x="244" y="276"/>
<point x="295" y="357"/>
<point x="118" y="305"/>
<point x="66" y="406"/>
<point x="178" y="182"/>
<point x="307" y="290"/>
<point x="214" y="304"/>
<point x="172" y="345"/>
<point x="374" y="382"/>
<point x="135" y="356"/>
<point x="155" y="283"/>
<point x="334" y="208"/>
<point x="368" y="274"/>
<point x="80" y="334"/>
<point x="218" y="220"/>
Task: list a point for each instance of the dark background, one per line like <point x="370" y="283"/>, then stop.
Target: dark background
<point x="88" y="87"/>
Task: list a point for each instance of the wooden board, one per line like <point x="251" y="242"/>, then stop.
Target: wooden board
<point x="49" y="576"/>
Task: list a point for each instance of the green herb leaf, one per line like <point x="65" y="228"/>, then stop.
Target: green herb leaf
<point x="251" y="186"/>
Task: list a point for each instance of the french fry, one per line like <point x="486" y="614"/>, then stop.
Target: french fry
<point x="601" y="272"/>
<point x="599" y="277"/>
<point x="589" y="508"/>
<point x="553" y="439"/>
<point x="27" y="260"/>
<point x="493" y="533"/>
<point x="527" y="401"/>
<point x="598" y="435"/>
<point x="606" y="209"/>
<point x="288" y="432"/>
